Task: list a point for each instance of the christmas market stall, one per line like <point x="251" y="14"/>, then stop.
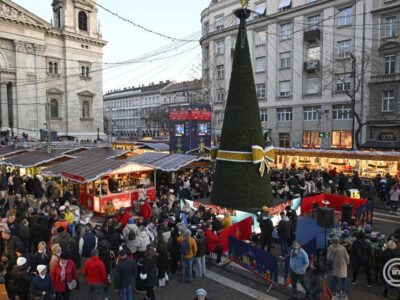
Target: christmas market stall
<point x="368" y="164"/>
<point x="103" y="177"/>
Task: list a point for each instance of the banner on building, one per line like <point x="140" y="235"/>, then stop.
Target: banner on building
<point x="253" y="259"/>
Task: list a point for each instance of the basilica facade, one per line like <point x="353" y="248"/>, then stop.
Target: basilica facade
<point x="51" y="72"/>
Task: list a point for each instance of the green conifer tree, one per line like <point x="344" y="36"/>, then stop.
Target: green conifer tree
<point x="239" y="185"/>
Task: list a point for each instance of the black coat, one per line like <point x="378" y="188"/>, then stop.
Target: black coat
<point x="40" y="232"/>
<point x="115" y="240"/>
<point x="40" y="259"/>
<point x="150" y="268"/>
<point x="284" y="229"/>
<point x="125" y="272"/>
<point x="201" y="246"/>
<point x="266" y="226"/>
<point x="39" y="285"/>
<point x="104" y="247"/>
<point x="23" y="278"/>
<point x="162" y="262"/>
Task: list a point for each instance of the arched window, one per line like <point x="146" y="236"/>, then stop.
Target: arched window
<point x="53" y="108"/>
<point x="50" y="67"/>
<point x="85" y="110"/>
<point x="83" y="21"/>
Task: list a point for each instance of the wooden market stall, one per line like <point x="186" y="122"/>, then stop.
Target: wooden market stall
<point x="367" y="163"/>
<point x="102" y="177"/>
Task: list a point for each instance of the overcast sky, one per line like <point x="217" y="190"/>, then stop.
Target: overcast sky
<point x="176" y="18"/>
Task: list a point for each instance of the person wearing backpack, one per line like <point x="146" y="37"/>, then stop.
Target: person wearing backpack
<point x="188" y="252"/>
<point x="362" y="252"/>
<point x="87" y="243"/>
<point x="129" y="233"/>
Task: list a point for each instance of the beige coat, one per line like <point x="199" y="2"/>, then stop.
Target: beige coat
<point x="340" y="261"/>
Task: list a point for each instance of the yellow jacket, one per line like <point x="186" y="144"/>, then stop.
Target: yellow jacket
<point x="109" y="210"/>
<point x="69" y="217"/>
<point x="192" y="247"/>
<point x="227" y="222"/>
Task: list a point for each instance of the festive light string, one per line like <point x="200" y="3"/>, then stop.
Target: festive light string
<point x="141" y="26"/>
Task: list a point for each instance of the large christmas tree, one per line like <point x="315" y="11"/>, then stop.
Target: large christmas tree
<point x="239" y="183"/>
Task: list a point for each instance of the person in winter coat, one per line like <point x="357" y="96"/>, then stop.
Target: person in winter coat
<point x="162" y="261"/>
<point x="88" y="242"/>
<point x="95" y="272"/>
<point x="339" y="258"/>
<point x="4" y="205"/>
<point x="123" y="216"/>
<point x="104" y="247"/>
<point x="9" y="244"/>
<point x="149" y="272"/>
<point x="188" y="248"/>
<point x="125" y="272"/>
<point x="212" y="242"/>
<point x="201" y="254"/>
<point x="55" y="255"/>
<point x="130" y="234"/>
<point x="114" y="238"/>
<point x="64" y="276"/>
<point x="21" y="278"/>
<point x="394" y="198"/>
<point x="41" y="286"/>
<point x="39" y="232"/>
<point x="143" y="239"/>
<point x="38" y="190"/>
<point x="145" y="210"/>
<point x="41" y="257"/>
<point x="317" y="280"/>
<point x="298" y="266"/>
<point x="13" y="226"/>
<point x="284" y="233"/>
<point x="361" y="254"/>
<point x="173" y="249"/>
<point x="267" y="228"/>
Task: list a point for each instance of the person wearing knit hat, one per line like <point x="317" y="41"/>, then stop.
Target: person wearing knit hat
<point x="21" y="261"/>
<point x="41" y="286"/>
<point x="201" y="294"/>
<point x="188" y="253"/>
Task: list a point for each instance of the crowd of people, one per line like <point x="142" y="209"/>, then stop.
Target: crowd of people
<point x="45" y="248"/>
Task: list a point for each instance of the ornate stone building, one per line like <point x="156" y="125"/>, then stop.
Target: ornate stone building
<point x="54" y="68"/>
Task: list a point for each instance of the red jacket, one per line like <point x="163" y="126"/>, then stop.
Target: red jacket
<point x="70" y="274"/>
<point x="123" y="219"/>
<point x="212" y="240"/>
<point x="95" y="271"/>
<point x="146" y="211"/>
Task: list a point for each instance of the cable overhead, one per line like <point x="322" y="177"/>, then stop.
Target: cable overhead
<point x="141" y="26"/>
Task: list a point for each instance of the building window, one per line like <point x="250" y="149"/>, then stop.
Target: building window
<point x="312" y="85"/>
<point x="85" y="110"/>
<point x="345" y="16"/>
<point x="83" y="71"/>
<point x="286" y="31"/>
<point x="206" y="74"/>
<point x="206" y="53"/>
<point x="390" y="64"/>
<point x="83" y="21"/>
<point x="261" y="38"/>
<point x="311" y="139"/>
<point x="219" y="22"/>
<point x="314" y="54"/>
<point x="314" y="22"/>
<point x="284" y="88"/>
<point x="220" y="72"/>
<point x="390" y="27"/>
<point x="55" y="68"/>
<point x="50" y="67"/>
<point x="312" y="113"/>
<point x="344" y="49"/>
<point x="388" y="101"/>
<point x="284" y="140"/>
<point x="206" y="26"/>
<point x="53" y="108"/>
<point x="263" y="115"/>
<point x="260" y="10"/>
<point x="220" y="96"/>
<point x="284" y="114"/>
<point x="285" y="60"/>
<point x="341" y="112"/>
<point x="260" y="91"/>
<point x="284" y="5"/>
<point x="87" y="72"/>
<point x="341" y="139"/>
<point x="219" y="47"/>
<point x="260" y="64"/>
<point x="343" y="84"/>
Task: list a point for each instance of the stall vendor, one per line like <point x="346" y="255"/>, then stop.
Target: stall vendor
<point x="109" y="209"/>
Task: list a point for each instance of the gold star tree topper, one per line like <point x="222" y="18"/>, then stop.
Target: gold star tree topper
<point x="245" y="3"/>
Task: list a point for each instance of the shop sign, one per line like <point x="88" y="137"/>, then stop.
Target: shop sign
<point x="387" y="136"/>
<point x="73" y="177"/>
<point x="324" y="134"/>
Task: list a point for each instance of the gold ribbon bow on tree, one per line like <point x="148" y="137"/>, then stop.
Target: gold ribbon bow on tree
<point x="258" y="155"/>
